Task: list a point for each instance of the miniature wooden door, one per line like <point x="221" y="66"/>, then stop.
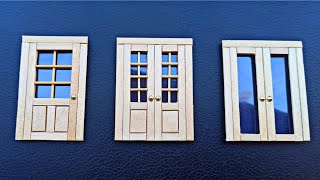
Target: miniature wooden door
<point x="51" y="107"/>
<point x="151" y="92"/>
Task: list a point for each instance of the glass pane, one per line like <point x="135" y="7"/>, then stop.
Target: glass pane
<point x="165" y="96"/>
<point x="45" y="58"/>
<point x="174" y="57"/>
<point x="63" y="75"/>
<point x="134" y="82"/>
<point x="143" y="96"/>
<point x="134" y="57"/>
<point x="134" y="70"/>
<point x="43" y="91"/>
<point x="64" y="58"/>
<point x="62" y="91"/>
<point x="174" y="96"/>
<point x="44" y="75"/>
<point x="164" y="70"/>
<point x="143" y="57"/>
<point x="165" y="58"/>
<point x="174" y="83"/>
<point x="143" y="83"/>
<point x="249" y="122"/>
<point x="164" y="82"/>
<point x="134" y="96"/>
<point x="281" y="94"/>
<point x="143" y="70"/>
<point x="174" y="70"/>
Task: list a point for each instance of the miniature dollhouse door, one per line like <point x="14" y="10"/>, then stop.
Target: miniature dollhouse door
<point x="52" y="91"/>
<point x="151" y="91"/>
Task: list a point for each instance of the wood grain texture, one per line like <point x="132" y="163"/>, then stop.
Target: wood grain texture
<point x="260" y="43"/>
<point x="157" y="86"/>
<point x="235" y="94"/>
<point x="61" y="124"/>
<point x="51" y="117"/>
<point x="39" y="118"/>
<point x="151" y="92"/>
<point x="126" y="92"/>
<point x="55" y="39"/>
<point x="182" y="93"/>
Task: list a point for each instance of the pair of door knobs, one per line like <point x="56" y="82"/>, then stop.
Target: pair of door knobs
<point x="268" y="99"/>
<point x="151" y="98"/>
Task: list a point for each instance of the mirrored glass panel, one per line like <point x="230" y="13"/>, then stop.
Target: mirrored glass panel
<point x="143" y="96"/>
<point x="45" y="57"/>
<point x="134" y="96"/>
<point x="63" y="75"/>
<point x="249" y="122"/>
<point x="134" y="57"/>
<point x="165" y="58"/>
<point x="174" y="96"/>
<point x="164" y="70"/>
<point x="174" y="57"/>
<point x="44" y="75"/>
<point x="174" y="83"/>
<point x="143" y="57"/>
<point x="134" y="82"/>
<point x="64" y="58"/>
<point x="281" y="94"/>
<point x="62" y="91"/>
<point x="134" y="70"/>
<point x="174" y="70"/>
<point x="164" y="96"/>
<point x="164" y="82"/>
<point x="43" y="91"/>
<point x="143" y="82"/>
<point x="143" y="70"/>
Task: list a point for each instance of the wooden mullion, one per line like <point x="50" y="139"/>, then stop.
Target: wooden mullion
<point x="51" y="83"/>
<point x="55" y="66"/>
<point x="53" y="72"/>
<point x="169" y="73"/>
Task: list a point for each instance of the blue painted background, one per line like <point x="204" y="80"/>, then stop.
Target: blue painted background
<point x="207" y="23"/>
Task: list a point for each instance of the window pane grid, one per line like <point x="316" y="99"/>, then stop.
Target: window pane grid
<point x="53" y="82"/>
<point x="169" y="77"/>
<point x="139" y="76"/>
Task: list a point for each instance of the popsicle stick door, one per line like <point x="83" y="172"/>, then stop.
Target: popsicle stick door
<point x="154" y="79"/>
<point x="52" y="88"/>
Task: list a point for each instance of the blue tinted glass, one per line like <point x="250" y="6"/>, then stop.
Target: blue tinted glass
<point x="62" y="91"/>
<point x="165" y="96"/>
<point x="45" y="58"/>
<point x="43" y="91"/>
<point x="63" y="75"/>
<point x="174" y="58"/>
<point x="44" y="75"/>
<point x="174" y="70"/>
<point x="134" y="70"/>
<point x="143" y="82"/>
<point x="64" y="58"/>
<point x="134" y="82"/>
<point x="134" y="57"/>
<point x="281" y="95"/>
<point x="143" y="58"/>
<point x="174" y="83"/>
<point x="164" y="82"/>
<point x="249" y="122"/>
<point x="143" y="96"/>
<point x="174" y="96"/>
<point x="165" y="58"/>
<point x="143" y="70"/>
<point x="164" y="70"/>
<point x="134" y="96"/>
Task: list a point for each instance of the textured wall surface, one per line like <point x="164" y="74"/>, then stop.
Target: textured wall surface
<point x="209" y="156"/>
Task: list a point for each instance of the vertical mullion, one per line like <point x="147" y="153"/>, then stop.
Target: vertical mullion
<point x="138" y="76"/>
<point x="53" y="72"/>
<point x="169" y="73"/>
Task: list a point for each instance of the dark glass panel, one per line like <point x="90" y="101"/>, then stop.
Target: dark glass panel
<point x="45" y="58"/>
<point x="143" y="96"/>
<point x="143" y="82"/>
<point x="174" y="96"/>
<point x="43" y="91"/>
<point x="249" y="122"/>
<point x="281" y="94"/>
<point x="134" y="82"/>
<point x="164" y="96"/>
<point x="134" y="96"/>
<point x="174" y="83"/>
<point x="62" y="91"/>
<point x="44" y="75"/>
<point x="63" y="75"/>
<point x="164" y="82"/>
<point x="64" y="58"/>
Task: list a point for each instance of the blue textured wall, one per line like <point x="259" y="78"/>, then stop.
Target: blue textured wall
<point x="207" y="23"/>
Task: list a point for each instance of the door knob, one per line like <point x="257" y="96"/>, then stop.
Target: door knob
<point x="73" y="97"/>
<point x="151" y="98"/>
<point x="269" y="98"/>
<point x="262" y="98"/>
<point x="158" y="98"/>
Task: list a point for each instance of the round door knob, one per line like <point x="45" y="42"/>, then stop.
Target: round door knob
<point x="158" y="98"/>
<point x="151" y="98"/>
<point x="73" y="97"/>
<point x="269" y="98"/>
<point x="262" y="98"/>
